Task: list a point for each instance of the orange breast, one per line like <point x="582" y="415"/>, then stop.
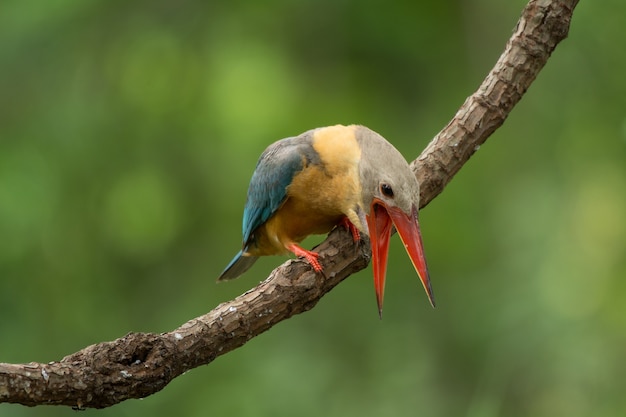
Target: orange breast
<point x="315" y="204"/>
<point x="318" y="196"/>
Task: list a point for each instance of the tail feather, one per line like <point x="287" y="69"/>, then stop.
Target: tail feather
<point x="237" y="266"/>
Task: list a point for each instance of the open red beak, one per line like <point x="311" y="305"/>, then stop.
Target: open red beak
<point x="379" y="223"/>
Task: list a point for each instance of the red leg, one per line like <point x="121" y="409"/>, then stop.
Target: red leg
<point x="345" y="222"/>
<point x="311" y="257"/>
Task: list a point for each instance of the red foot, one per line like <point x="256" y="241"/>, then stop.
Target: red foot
<point x="311" y="257"/>
<point x="345" y="222"/>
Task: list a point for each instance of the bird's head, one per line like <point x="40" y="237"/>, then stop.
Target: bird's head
<point x="390" y="196"/>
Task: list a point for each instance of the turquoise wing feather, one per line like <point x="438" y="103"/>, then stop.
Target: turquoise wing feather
<point x="275" y="170"/>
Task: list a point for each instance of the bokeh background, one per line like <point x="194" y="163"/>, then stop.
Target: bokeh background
<point x="128" y="134"/>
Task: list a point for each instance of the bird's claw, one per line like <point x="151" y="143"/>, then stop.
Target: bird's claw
<point x="350" y="227"/>
<point x="311" y="257"/>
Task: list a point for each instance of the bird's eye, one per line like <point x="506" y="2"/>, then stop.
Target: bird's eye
<point x="386" y="190"/>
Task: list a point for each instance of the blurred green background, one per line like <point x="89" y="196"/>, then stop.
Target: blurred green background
<point x="128" y="134"/>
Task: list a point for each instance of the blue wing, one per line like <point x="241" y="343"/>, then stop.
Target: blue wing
<point x="275" y="170"/>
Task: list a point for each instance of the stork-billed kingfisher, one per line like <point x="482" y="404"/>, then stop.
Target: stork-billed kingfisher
<point x="336" y="175"/>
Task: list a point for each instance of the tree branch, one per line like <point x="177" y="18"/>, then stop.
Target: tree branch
<point x="140" y="364"/>
<point x="543" y="24"/>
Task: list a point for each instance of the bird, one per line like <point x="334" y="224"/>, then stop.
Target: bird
<point x="327" y="177"/>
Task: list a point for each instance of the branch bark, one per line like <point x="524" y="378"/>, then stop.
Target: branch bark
<point x="140" y="364"/>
